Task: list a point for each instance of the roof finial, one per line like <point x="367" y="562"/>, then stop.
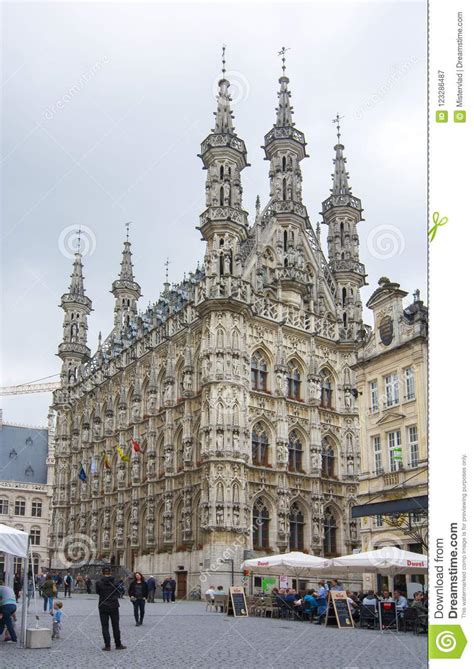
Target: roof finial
<point x="78" y="249"/>
<point x="282" y="53"/>
<point x="416" y="295"/>
<point x="127" y="227"/>
<point x="337" y="121"/>
<point x="167" y="264"/>
<point x="223" y="60"/>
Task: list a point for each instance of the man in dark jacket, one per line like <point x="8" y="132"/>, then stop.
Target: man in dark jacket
<point x="151" y="583"/>
<point x="109" y="608"/>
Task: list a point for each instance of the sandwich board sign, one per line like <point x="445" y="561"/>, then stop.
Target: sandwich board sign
<point x="338" y="611"/>
<point x="237" y="605"/>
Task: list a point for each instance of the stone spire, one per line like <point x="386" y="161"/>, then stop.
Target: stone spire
<point x="284" y="110"/>
<point x="223" y="223"/>
<point x="285" y="148"/>
<point x="224" y="116"/>
<point x="125" y="289"/>
<point x="342" y="212"/>
<point x="73" y="349"/>
<point x="77" y="280"/>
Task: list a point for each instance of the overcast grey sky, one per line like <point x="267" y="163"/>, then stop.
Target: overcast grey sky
<point x="105" y="106"/>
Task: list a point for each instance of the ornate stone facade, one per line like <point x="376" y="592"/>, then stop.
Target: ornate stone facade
<point x="236" y="384"/>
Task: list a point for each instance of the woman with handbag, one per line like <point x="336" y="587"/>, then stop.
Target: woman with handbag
<point x="138" y="593"/>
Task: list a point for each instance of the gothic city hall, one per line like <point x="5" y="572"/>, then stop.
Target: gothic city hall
<point x="221" y="421"/>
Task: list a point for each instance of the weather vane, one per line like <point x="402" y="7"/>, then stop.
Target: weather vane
<point x="127" y="227"/>
<point x="337" y="121"/>
<point x="282" y="53"/>
<point x="223" y="60"/>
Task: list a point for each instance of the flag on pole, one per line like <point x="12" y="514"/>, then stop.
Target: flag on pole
<point x="122" y="455"/>
<point x="136" y="446"/>
<point x="82" y="474"/>
<point x="106" y="461"/>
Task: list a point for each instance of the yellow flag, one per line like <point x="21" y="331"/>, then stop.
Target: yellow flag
<point x="122" y="455"/>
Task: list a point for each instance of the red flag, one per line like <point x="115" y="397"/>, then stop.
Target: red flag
<point x="136" y="446"/>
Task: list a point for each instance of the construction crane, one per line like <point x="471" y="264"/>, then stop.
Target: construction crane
<point x="31" y="387"/>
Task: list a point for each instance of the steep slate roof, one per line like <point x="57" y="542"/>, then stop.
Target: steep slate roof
<point x="23" y="453"/>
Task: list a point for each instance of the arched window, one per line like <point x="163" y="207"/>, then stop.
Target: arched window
<point x="283" y="164"/>
<point x="326" y="390"/>
<point x="344" y="296"/>
<point x="3" y="506"/>
<point x="36" y="508"/>
<point x="221" y="196"/>
<point x="328" y="460"/>
<point x="284" y="189"/>
<point x="36" y="561"/>
<point x="294" y="382"/>
<point x="330" y="531"/>
<point x="259" y="446"/>
<point x="221" y="172"/>
<point x="20" y="506"/>
<point x="296" y="528"/>
<point x="285" y="240"/>
<point x="259" y="372"/>
<point x="261" y="525"/>
<point x="295" y="453"/>
<point x="35" y="536"/>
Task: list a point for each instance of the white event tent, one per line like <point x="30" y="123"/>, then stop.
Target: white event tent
<point x="15" y="542"/>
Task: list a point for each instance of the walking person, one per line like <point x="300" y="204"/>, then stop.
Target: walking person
<point x="151" y="583"/>
<point x="57" y="614"/>
<point x="109" y="608"/>
<point x="47" y="592"/>
<point x="138" y="593"/>
<point x="88" y="583"/>
<point x="7" y="611"/>
<point x="31" y="589"/>
<point x="166" y="589"/>
<point x="17" y="586"/>
<point x="173" y="589"/>
<point x="67" y="585"/>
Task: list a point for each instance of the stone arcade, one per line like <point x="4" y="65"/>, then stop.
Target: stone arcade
<point x="236" y="384"/>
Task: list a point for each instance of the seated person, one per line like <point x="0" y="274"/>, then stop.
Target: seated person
<point x="418" y="602"/>
<point x="311" y="603"/>
<point x="353" y="605"/>
<point x="211" y="591"/>
<point x="400" y="600"/>
<point x="335" y="585"/>
<point x="370" y="599"/>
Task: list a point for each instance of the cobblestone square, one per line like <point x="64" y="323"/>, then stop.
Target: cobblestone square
<point x="185" y="635"/>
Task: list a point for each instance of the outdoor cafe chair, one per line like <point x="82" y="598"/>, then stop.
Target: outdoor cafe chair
<point x="412" y="619"/>
<point x="220" y="602"/>
<point x="209" y="603"/>
<point x="368" y="616"/>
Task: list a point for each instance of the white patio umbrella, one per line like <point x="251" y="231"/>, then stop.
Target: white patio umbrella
<point x="296" y="564"/>
<point x="15" y="542"/>
<point x="388" y="561"/>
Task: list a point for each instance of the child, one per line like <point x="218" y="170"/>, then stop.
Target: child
<point x="57" y="615"/>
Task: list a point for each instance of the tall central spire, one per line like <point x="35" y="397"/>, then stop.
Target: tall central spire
<point x="224" y="116"/>
<point x="125" y="289"/>
<point x="285" y="148"/>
